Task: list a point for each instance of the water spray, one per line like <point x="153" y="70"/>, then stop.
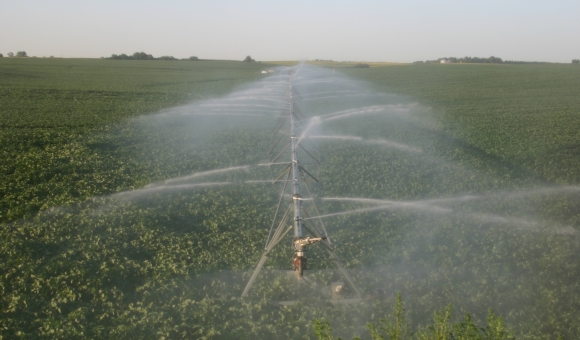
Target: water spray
<point x="295" y="175"/>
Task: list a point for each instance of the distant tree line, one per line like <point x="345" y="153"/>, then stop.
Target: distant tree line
<point x="525" y="62"/>
<point x="476" y="60"/>
<point x="145" y="56"/>
<point x="575" y="61"/>
<point x="20" y="54"/>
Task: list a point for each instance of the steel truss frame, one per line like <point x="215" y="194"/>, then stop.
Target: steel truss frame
<point x="296" y="174"/>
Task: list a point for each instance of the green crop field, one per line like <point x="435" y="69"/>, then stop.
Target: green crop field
<point x="475" y="166"/>
<point x="525" y="115"/>
<point x="52" y="109"/>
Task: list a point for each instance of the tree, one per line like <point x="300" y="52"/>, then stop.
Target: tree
<point x="142" y="56"/>
<point x="21" y="54"/>
<point x="10" y="54"/>
<point x="1" y="55"/>
<point x="575" y="61"/>
<point x="193" y="58"/>
<point x="121" y="57"/>
<point x="167" y="57"/>
<point x="249" y="59"/>
<point x="494" y="60"/>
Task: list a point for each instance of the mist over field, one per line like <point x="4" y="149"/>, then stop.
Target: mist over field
<point x="413" y="200"/>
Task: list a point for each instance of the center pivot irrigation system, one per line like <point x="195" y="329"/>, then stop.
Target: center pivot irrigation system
<point x="295" y="173"/>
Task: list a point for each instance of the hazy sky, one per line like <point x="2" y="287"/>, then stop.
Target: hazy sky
<point x="363" y="30"/>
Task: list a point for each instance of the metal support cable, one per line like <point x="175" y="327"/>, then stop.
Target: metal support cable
<point x="277" y="209"/>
